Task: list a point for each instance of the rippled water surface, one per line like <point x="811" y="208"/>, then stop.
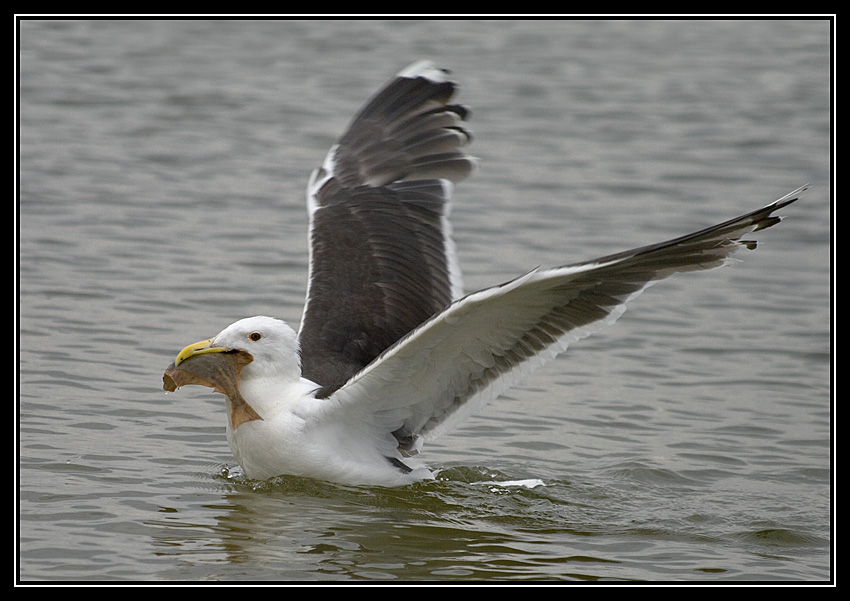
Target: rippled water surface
<point x="162" y="176"/>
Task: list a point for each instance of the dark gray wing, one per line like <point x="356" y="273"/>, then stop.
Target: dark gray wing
<point x="381" y="256"/>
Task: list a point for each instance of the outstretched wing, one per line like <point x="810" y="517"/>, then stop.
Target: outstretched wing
<point x="484" y="343"/>
<point x="381" y="256"/>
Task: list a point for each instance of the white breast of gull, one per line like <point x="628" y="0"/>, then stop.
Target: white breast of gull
<point x="390" y="352"/>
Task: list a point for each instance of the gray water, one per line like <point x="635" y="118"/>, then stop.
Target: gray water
<point x="162" y="174"/>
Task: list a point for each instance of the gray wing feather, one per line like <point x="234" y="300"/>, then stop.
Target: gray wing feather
<point x="381" y="256"/>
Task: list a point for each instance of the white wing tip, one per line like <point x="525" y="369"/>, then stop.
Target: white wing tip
<point x="424" y="69"/>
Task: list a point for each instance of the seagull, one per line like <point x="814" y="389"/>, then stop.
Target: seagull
<point x="391" y="352"/>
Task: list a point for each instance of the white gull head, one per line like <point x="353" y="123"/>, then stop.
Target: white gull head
<point x="272" y="343"/>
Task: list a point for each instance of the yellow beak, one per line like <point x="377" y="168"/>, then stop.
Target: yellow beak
<point x="199" y="348"/>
